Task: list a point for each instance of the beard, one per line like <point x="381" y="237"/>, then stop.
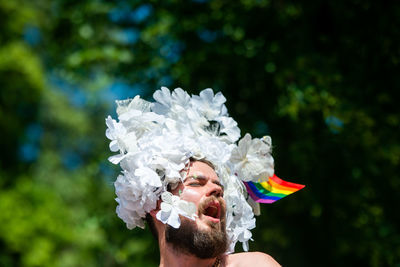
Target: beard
<point x="204" y="244"/>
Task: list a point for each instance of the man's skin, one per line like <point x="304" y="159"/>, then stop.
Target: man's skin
<point x="201" y="183"/>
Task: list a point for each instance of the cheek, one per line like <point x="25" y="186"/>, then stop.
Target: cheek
<point x="190" y="194"/>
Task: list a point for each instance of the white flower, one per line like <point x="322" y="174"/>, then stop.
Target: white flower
<point x="148" y="175"/>
<point x="180" y="97"/>
<point x="214" y="149"/>
<point x="230" y="128"/>
<point x="209" y="105"/>
<point x="113" y="132"/>
<point x="121" y="140"/>
<point x="167" y="102"/>
<point x="172" y="206"/>
<point x="132" y="104"/>
<point x="244" y="235"/>
<point x="240" y="218"/>
<point x="171" y="170"/>
<point x="130" y="202"/>
<point x="197" y="122"/>
<point x="252" y="160"/>
<point x="163" y="98"/>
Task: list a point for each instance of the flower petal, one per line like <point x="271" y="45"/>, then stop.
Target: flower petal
<point x="173" y="219"/>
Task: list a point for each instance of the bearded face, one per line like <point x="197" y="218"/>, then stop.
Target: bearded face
<point x="202" y="242"/>
<point x="206" y="236"/>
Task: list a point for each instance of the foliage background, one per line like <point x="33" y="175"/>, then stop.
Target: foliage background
<point x="320" y="77"/>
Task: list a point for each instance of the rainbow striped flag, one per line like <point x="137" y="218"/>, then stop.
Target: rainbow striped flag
<point x="272" y="190"/>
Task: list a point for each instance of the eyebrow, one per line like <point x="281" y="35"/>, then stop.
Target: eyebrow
<point x="202" y="177"/>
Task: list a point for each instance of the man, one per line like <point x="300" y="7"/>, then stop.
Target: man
<point x="198" y="209"/>
<point x="202" y="242"/>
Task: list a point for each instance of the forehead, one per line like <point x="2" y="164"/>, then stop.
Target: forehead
<point x="202" y="169"/>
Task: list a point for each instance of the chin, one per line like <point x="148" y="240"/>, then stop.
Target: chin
<point x="202" y="237"/>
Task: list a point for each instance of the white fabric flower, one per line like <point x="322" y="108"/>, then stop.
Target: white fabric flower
<point x="252" y="160"/>
<point x="114" y="131"/>
<point x="172" y="206"/>
<point x="121" y="140"/>
<point x="136" y="103"/>
<point x="134" y="200"/>
<point x="148" y="175"/>
<point x="230" y="128"/>
<point x="167" y="102"/>
<point x="163" y="98"/>
<point x="209" y="105"/>
<point x="180" y="98"/>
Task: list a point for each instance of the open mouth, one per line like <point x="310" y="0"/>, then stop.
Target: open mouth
<point x="213" y="210"/>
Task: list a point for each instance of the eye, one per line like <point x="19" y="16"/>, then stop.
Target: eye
<point x="194" y="184"/>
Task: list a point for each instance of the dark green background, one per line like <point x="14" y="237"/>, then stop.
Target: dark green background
<point x="322" y="78"/>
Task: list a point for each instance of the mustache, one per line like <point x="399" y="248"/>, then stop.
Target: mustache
<point x="212" y="199"/>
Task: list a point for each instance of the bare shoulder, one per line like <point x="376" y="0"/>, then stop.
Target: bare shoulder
<point x="251" y="259"/>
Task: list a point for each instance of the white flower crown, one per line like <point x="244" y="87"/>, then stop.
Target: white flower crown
<point x="155" y="142"/>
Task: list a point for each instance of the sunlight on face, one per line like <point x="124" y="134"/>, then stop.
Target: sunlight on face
<point x="202" y="187"/>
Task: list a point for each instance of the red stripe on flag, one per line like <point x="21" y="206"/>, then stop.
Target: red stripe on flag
<point x="278" y="180"/>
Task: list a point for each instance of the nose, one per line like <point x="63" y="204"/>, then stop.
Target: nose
<point x="215" y="190"/>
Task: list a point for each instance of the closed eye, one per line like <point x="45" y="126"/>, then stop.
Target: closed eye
<point x="194" y="184"/>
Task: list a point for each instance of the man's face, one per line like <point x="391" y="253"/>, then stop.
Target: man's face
<point x="206" y="236"/>
<point x="202" y="187"/>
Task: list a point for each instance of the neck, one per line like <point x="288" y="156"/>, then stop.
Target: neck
<point x="170" y="257"/>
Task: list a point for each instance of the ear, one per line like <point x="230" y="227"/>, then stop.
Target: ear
<point x="153" y="213"/>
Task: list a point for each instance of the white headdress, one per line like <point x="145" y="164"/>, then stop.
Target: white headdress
<point x="155" y="142"/>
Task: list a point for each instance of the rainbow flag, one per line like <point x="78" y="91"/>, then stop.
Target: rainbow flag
<point x="272" y="190"/>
